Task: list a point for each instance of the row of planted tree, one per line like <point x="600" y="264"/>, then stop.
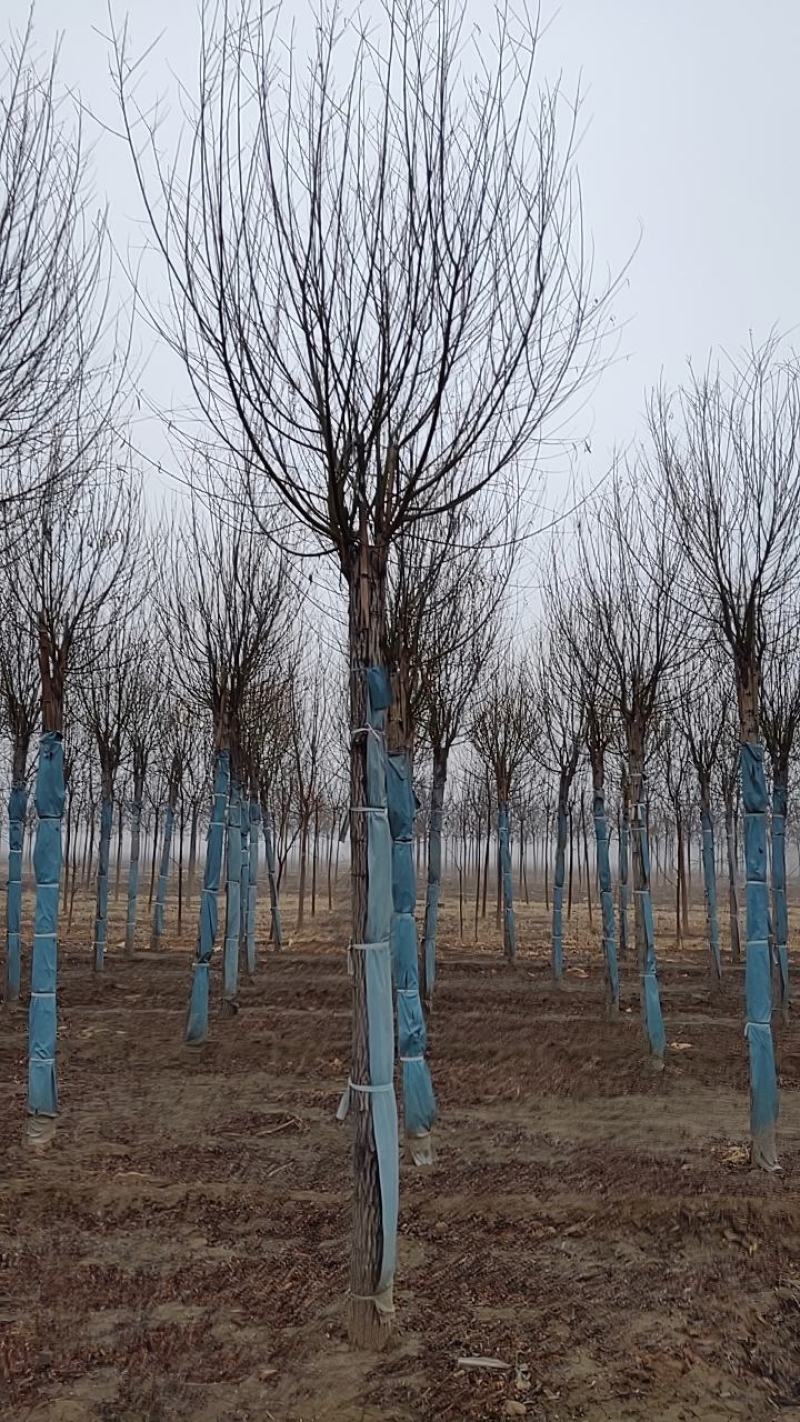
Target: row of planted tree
<point x="380" y="298"/>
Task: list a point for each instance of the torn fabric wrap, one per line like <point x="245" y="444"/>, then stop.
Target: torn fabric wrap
<point x="133" y="875"/>
<point x="252" y="892"/>
<point x="104" y="855"/>
<point x="419" y="1103"/>
<point x="509" y="918"/>
<point x="272" y="877"/>
<point x="379" y="1090"/>
<point x="758" y="984"/>
<point x="557" y="951"/>
<point x="163" y="876"/>
<point x="43" y="1016"/>
<point x="651" y="997"/>
<point x="230" y="963"/>
<point x="17" y="808"/>
<point x="434" y="872"/>
<point x="606" y="898"/>
<point x="710" y="882"/>
<point x="197" y="1017"/>
<point x="780" y="911"/>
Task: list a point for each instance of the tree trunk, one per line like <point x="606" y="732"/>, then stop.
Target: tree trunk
<point x="562" y="821"/>
<point x="710" y="884"/>
<point x="17" y="810"/>
<point x="159" y="908"/>
<point x="301" y="886"/>
<point x="193" y="818"/>
<point x="433" y="891"/>
<point x="624" y="861"/>
<point x="197" y="1015"/>
<point x="684" y="880"/>
<point x="181" y="834"/>
<point x="371" y="1090"/>
<point x="120" y="837"/>
<point x="504" y="855"/>
<point x="604" y="878"/>
<point x="133" y="867"/>
<point x="652" y="1018"/>
<point x="780" y="916"/>
<point x="255" y="827"/>
<point x="233" y="900"/>
<point x="586" y="858"/>
<point x="314" y="862"/>
<point x="419" y="1103"/>
<point x="272" y="878"/>
<point x="758" y="976"/>
<point x="154" y="860"/>
<point x="106" y="827"/>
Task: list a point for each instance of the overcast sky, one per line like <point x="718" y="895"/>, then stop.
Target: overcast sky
<point x="690" y="120"/>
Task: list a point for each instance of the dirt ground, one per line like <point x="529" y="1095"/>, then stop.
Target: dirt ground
<point x="179" y="1251"/>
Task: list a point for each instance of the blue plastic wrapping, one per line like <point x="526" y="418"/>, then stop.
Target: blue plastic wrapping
<point x="651" y="998"/>
<point x="780" y="911"/>
<point x="252" y="889"/>
<point x="433" y="889"/>
<point x="159" y="907"/>
<point x="758" y="984"/>
<point x="197" y="1016"/>
<point x="133" y="875"/>
<point x="509" y="917"/>
<point x="43" y="1012"/>
<point x="104" y="855"/>
<point x="17" y="809"/>
<point x="606" y="898"/>
<point x="376" y="948"/>
<point x="272" y="880"/>
<point x="233" y="906"/>
<point x="244" y="878"/>
<point x="624" y="866"/>
<point x="557" y="948"/>
<point x="419" y="1102"/>
<point x="710" y="883"/>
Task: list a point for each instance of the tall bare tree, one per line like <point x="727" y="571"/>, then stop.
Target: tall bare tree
<point x="224" y="601"/>
<point x="729" y="449"/>
<point x="377" y="278"/>
<point x="630" y="564"/>
<point x="503" y="734"/>
<point x="74" y="562"/>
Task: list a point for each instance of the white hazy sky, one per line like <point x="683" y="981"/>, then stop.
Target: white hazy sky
<point x="691" y="117"/>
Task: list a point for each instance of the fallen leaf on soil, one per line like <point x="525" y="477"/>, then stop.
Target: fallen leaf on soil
<point x="681" y="1046"/>
<point x="736" y="1155"/>
<point x="495" y="1365"/>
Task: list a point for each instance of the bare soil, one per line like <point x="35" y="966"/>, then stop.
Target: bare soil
<point x="179" y="1251"/>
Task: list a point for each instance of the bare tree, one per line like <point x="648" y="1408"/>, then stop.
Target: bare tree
<point x="73" y="562"/>
<point x="561" y="714"/>
<point x="702" y="703"/>
<point x="377" y="276"/>
<point x="502" y="733"/>
<point x="630" y="566"/>
<point x="729" y="450"/>
<point x="447" y="581"/>
<point x="573" y="619"/>
<point x="146" y="691"/>
<point x="109" y="692"/>
<point x="224" y="605"/>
